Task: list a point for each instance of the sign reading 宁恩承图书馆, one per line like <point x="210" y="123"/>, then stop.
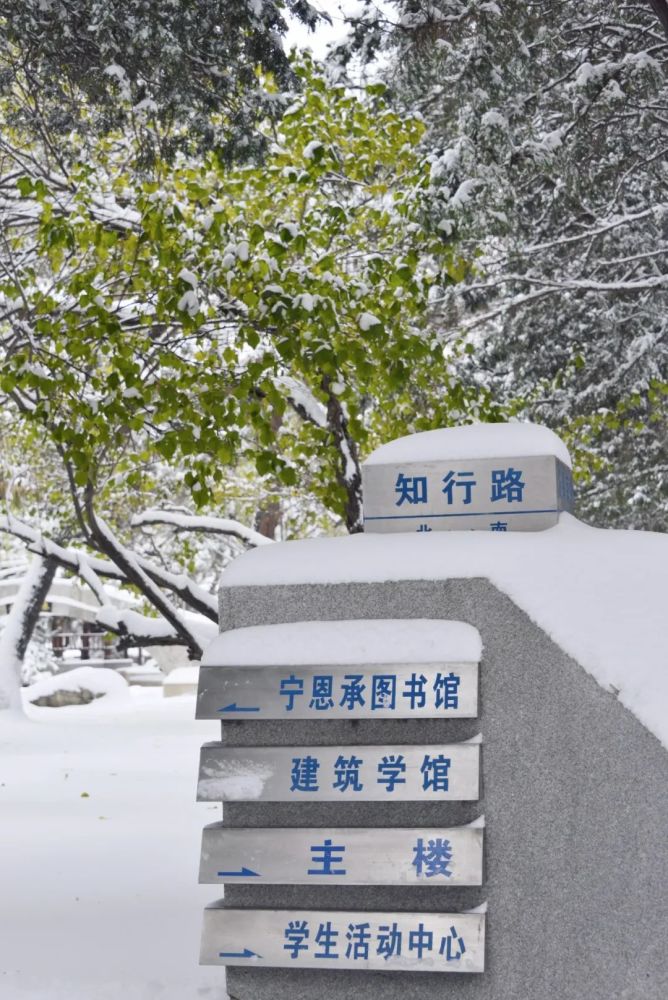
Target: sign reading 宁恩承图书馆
<point x="491" y="494"/>
<point x="379" y="691"/>
<point x="335" y="939"/>
<point x="357" y="856"/>
<point x="375" y="773"/>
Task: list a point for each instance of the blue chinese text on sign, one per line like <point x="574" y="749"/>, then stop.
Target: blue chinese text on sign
<point x="369" y="691"/>
<point x="417" y="942"/>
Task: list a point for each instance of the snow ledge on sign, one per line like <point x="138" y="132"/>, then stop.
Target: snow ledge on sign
<point x="415" y="640"/>
<point x="598" y="593"/>
<point x="512" y="440"/>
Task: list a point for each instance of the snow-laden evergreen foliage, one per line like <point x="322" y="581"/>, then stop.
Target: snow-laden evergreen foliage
<point x="547" y="132"/>
<point x="191" y="67"/>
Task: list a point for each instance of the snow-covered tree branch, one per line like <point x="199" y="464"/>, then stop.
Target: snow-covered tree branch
<point x="19" y="625"/>
<point x="201" y="523"/>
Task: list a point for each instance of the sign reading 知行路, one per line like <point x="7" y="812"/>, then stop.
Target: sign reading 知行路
<point x="490" y="494"/>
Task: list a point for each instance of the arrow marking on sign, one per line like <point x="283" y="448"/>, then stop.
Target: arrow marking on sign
<point x="238" y="708"/>
<point x="246" y="953"/>
<point x="240" y="874"/>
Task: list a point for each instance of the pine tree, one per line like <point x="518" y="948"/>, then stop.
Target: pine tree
<point x="547" y="131"/>
<point x="190" y="70"/>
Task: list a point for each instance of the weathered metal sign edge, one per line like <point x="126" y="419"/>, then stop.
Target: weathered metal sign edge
<point x="230" y="773"/>
<point x="455" y="941"/>
<point x="230" y="691"/>
<point x="448" y="856"/>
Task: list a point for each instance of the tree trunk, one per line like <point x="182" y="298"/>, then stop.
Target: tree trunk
<point x="20" y="625"/>
<point x="268" y="517"/>
<point x="660" y="8"/>
<point x="349" y="475"/>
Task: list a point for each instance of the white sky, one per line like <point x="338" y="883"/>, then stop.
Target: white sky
<point x="318" y="40"/>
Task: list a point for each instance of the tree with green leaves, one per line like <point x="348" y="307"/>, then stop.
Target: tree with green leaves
<point x="208" y="317"/>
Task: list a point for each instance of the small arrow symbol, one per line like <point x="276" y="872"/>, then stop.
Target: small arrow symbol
<point x="244" y="873"/>
<point x="238" y="708"/>
<point x="246" y="953"/>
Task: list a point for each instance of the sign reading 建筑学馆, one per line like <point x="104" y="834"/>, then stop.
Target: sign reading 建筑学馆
<point x="363" y="691"/>
<point x="416" y="942"/>
<point x="372" y="773"/>
<point x="356" y="856"/>
<point x="489" y="494"/>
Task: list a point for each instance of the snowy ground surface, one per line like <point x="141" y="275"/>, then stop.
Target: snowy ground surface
<point x="98" y="680"/>
<point x="100" y="839"/>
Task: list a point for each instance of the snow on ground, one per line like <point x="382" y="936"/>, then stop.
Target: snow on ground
<point x="600" y="594"/>
<point x="100" y="837"/>
<point x="507" y="440"/>
<point x="98" y="680"/>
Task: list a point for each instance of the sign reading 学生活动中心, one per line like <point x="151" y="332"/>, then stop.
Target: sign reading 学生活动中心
<point x="334" y="939"/>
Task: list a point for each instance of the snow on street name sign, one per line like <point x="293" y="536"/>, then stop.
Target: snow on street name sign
<point x="489" y="477"/>
<point x="379" y="691"/>
<point x="324" y="939"/>
<point x="372" y="773"/>
<point x="494" y="494"/>
<point x="425" y="856"/>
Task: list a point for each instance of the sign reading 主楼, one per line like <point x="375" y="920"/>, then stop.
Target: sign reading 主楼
<point x="363" y="691"/>
<point x="374" y="773"/>
<point x="335" y="939"/>
<point x="356" y="856"/>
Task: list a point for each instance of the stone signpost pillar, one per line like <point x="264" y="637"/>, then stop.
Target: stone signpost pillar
<point x="417" y="783"/>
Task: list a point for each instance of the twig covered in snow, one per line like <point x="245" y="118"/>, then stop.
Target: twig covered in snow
<point x="126" y="560"/>
<point x="90" y="568"/>
<point x="205" y="524"/>
<point x="69" y="558"/>
<point x="136" y="629"/>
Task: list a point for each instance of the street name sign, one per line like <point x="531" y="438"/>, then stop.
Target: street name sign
<point x="397" y="856"/>
<point x="373" y="773"/>
<point x="335" y="939"/>
<point x="357" y="691"/>
<point x="489" y="494"/>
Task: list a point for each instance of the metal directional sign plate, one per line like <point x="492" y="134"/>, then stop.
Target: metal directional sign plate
<point x="376" y="773"/>
<point x="432" y="856"/>
<point x="378" y="691"/>
<point x="490" y="494"/>
<point x="322" y="939"/>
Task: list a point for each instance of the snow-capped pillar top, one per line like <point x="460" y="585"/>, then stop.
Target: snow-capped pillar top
<point x="489" y="477"/>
